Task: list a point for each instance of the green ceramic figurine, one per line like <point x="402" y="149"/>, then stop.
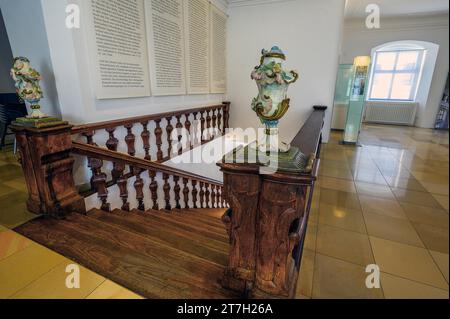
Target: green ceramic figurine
<point x="27" y="85"/>
<point x="28" y="88"/>
<point x="272" y="103"/>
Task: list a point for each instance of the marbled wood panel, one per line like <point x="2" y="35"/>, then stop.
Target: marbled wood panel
<point x="137" y="262"/>
<point x="242" y="193"/>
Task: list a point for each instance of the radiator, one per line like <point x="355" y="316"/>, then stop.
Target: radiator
<point x="403" y="113"/>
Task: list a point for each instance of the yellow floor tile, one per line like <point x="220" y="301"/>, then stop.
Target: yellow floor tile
<point x="337" y="184"/>
<point x="339" y="199"/>
<point x="381" y="206"/>
<point x="52" y="285"/>
<point x="405" y="183"/>
<point x="17" y="184"/>
<point x="407" y="261"/>
<point x="399" y="288"/>
<point x="343" y="218"/>
<point x="311" y="236"/>
<point x="5" y="189"/>
<point x="442" y="200"/>
<point x="369" y="176"/>
<point x="374" y="190"/>
<point x="343" y="244"/>
<point x="336" y="173"/>
<point x="442" y="262"/>
<point x="111" y="290"/>
<point x="24" y="267"/>
<point x="434" y="238"/>
<point x="416" y="198"/>
<point x="11" y="242"/>
<point x="426" y="215"/>
<point x="305" y="277"/>
<point x="13" y="210"/>
<point x="390" y="228"/>
<point x="334" y="278"/>
<point x="438" y="189"/>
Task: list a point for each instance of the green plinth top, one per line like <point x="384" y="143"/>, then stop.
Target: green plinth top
<point x="293" y="161"/>
<point x="38" y="123"/>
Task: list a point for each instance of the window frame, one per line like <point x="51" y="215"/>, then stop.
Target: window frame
<point x="417" y="73"/>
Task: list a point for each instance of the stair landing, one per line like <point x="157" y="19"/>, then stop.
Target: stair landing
<point x="157" y="254"/>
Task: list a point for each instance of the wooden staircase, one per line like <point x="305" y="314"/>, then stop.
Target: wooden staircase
<point x="158" y="254"/>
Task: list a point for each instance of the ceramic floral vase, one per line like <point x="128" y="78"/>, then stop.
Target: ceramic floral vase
<point x="27" y="85"/>
<point x="272" y="103"/>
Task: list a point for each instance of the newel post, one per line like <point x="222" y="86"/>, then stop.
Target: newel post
<point x="48" y="169"/>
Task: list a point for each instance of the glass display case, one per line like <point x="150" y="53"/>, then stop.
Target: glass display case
<point x="357" y="100"/>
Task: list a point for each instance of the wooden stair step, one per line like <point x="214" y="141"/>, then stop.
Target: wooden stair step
<point x="165" y="233"/>
<point x="212" y="212"/>
<point x="185" y="213"/>
<point x="218" y="233"/>
<point x="155" y="270"/>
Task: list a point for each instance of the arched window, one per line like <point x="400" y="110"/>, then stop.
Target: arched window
<point x="396" y="71"/>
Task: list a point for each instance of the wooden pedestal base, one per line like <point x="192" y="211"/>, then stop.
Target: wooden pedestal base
<point x="48" y="169"/>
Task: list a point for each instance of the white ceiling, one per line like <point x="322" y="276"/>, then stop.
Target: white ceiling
<point x="395" y="8"/>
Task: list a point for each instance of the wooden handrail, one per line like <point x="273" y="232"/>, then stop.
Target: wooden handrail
<point x="122" y="158"/>
<point x="84" y="128"/>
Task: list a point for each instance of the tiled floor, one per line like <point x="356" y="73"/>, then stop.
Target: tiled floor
<point x="29" y="270"/>
<point x="385" y="203"/>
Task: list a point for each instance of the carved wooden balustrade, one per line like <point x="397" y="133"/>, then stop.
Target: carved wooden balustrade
<point x="180" y="189"/>
<point x="163" y="135"/>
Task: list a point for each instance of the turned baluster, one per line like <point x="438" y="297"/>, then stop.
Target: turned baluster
<point x="207" y="196"/>
<point x="208" y="125"/>
<point x="130" y="139"/>
<point x="112" y="144"/>
<point x="158" y="136"/>
<point x="214" y="122"/>
<point x="145" y="135"/>
<point x="195" y="131"/>
<point x="90" y="137"/>
<point x="202" y="125"/>
<point x="185" y="192"/>
<point x="187" y="126"/>
<point x="176" y="190"/>
<point x="166" y="189"/>
<point x="202" y="195"/>
<point x="194" y="193"/>
<point x="213" y="196"/>
<point x="98" y="182"/>
<point x="222" y="193"/>
<point x="179" y="128"/>
<point x="122" y="184"/>
<point x="226" y="116"/>
<point x="219" y="120"/>
<point x="139" y="187"/>
<point x="153" y="189"/>
<point x="90" y="140"/>
<point x="219" y="197"/>
<point x="169" y="130"/>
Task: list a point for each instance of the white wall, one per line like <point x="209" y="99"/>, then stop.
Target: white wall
<point x="360" y="41"/>
<point x="27" y="35"/>
<point x="6" y="83"/>
<point x="310" y="34"/>
<point x="75" y="81"/>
